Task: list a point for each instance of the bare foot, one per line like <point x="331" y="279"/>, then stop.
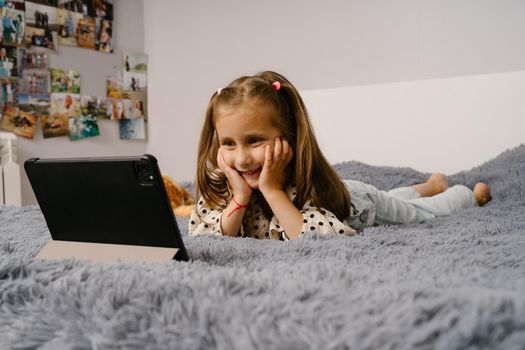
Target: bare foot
<point x="435" y="184"/>
<point x="439" y="182"/>
<point x="482" y="193"/>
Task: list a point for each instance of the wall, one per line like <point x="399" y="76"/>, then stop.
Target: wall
<point x="198" y="46"/>
<point x="94" y="67"/>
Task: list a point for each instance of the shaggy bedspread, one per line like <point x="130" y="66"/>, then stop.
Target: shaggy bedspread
<point x="456" y="282"/>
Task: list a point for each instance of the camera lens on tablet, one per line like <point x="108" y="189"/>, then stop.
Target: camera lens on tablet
<point x="144" y="172"/>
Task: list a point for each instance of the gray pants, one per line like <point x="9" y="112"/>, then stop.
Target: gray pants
<point x="403" y="205"/>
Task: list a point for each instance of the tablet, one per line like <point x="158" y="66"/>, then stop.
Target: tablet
<point x="116" y="207"/>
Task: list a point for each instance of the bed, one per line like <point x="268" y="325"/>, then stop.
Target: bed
<point x="456" y="282"/>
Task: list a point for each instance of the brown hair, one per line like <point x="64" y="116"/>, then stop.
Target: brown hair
<point x="311" y="173"/>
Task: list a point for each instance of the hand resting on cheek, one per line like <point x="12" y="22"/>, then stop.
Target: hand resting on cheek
<point x="276" y="161"/>
<point x="241" y="189"/>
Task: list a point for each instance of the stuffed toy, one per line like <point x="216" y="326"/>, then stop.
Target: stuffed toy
<point x="181" y="200"/>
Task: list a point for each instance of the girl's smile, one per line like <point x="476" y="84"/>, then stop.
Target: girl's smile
<point x="254" y="172"/>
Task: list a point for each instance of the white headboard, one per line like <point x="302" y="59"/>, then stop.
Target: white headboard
<point x="444" y="125"/>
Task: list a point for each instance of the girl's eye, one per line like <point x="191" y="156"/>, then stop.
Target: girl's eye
<point x="227" y="143"/>
<point x="254" y="141"/>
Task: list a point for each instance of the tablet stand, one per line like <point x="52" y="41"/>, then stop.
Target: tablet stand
<point x="103" y="252"/>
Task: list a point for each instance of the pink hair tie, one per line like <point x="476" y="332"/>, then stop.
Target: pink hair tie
<point x="276" y="85"/>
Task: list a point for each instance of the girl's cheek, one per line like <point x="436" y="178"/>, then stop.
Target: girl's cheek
<point x="261" y="154"/>
<point x="228" y="158"/>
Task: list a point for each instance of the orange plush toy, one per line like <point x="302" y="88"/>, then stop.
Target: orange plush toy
<point x="181" y="200"/>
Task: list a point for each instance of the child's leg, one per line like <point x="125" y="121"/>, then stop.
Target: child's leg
<point x="452" y="200"/>
<point x="436" y="184"/>
<point x="393" y="210"/>
<point x="388" y="209"/>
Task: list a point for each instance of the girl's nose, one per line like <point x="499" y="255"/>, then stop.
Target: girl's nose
<point x="244" y="156"/>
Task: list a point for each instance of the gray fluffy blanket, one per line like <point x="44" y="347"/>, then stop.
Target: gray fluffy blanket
<point x="456" y="282"/>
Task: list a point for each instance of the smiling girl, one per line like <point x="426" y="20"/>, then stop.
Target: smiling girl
<point x="261" y="173"/>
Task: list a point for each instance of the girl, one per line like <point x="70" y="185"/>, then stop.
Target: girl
<point x="5" y="65"/>
<point x="104" y="36"/>
<point x="261" y="173"/>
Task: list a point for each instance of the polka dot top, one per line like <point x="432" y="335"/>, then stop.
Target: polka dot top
<point x="255" y="224"/>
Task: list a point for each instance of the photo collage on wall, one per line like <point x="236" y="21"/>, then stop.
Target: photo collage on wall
<point x="127" y="96"/>
<point x="31" y="89"/>
<point x="85" y="23"/>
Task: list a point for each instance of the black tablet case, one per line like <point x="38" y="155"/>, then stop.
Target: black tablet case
<point x="114" y="200"/>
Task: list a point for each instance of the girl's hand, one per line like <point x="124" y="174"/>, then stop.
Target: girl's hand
<point x="273" y="174"/>
<point x="240" y="188"/>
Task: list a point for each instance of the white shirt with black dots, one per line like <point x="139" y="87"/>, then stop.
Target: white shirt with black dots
<point x="255" y="224"/>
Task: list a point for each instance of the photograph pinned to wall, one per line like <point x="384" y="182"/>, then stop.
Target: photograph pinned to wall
<point x="34" y="81"/>
<point x="104" y="108"/>
<point x="42" y="24"/>
<point x="139" y="104"/>
<point x="92" y="8"/>
<point x="41" y="16"/>
<point x="32" y="102"/>
<point x="63" y="80"/>
<point x="138" y="110"/>
<point x="115" y="88"/>
<point x="19" y="122"/>
<point x="100" y="8"/>
<point x="115" y="107"/>
<point x="78" y="6"/>
<point x="135" y="62"/>
<point x="98" y="106"/>
<point x="32" y="59"/>
<point x="127" y="108"/>
<point x="83" y="127"/>
<point x="67" y="104"/>
<point x="88" y="105"/>
<point x="13" y="23"/>
<point x="54" y="125"/>
<point x="132" y="129"/>
<point x="121" y="109"/>
<point x="86" y="32"/>
<point x="104" y="38"/>
<point x="8" y="61"/>
<point x="94" y="106"/>
<point x="67" y="24"/>
<point x="14" y="4"/>
<point x="8" y="92"/>
<point x="40" y="38"/>
<point x="135" y="81"/>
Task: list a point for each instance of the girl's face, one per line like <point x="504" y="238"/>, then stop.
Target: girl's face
<point x="243" y="133"/>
